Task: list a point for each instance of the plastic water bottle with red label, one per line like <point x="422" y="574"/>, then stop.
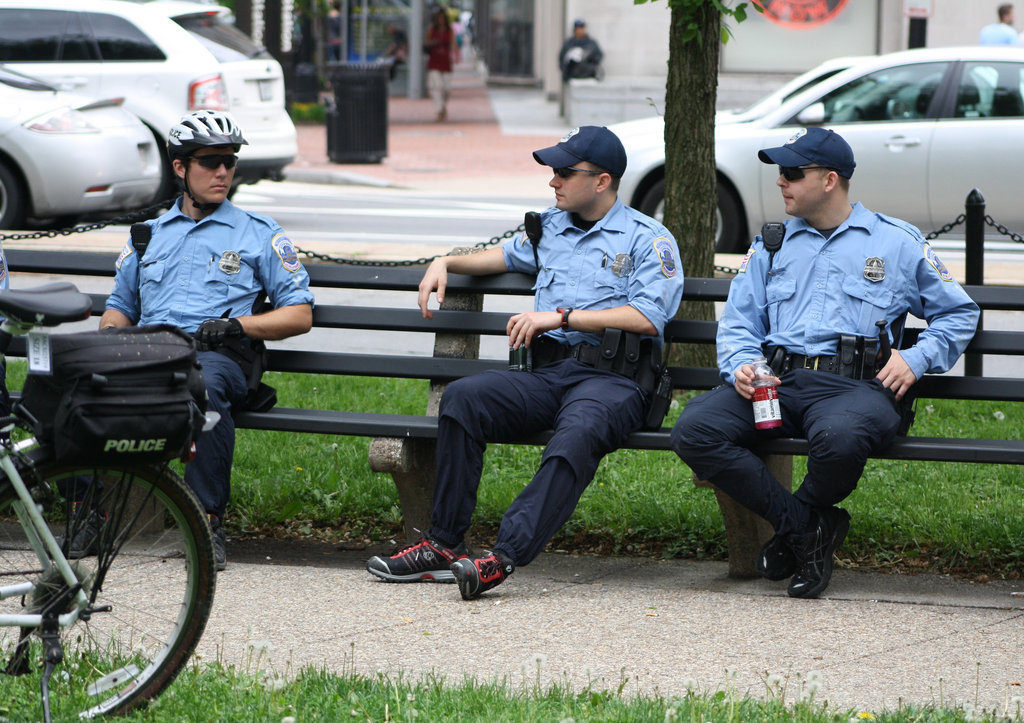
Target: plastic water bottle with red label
<point x="767" y="412"/>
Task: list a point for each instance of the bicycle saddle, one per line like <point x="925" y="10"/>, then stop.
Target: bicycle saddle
<point x="46" y="305"/>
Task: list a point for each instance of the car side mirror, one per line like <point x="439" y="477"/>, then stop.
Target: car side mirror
<point x="812" y="115"/>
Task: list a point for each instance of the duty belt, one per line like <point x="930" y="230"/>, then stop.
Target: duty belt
<point x="854" y="361"/>
<point x="548" y="351"/>
<point x="828" y="363"/>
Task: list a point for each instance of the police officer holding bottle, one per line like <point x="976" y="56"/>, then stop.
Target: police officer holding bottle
<point x="822" y="298"/>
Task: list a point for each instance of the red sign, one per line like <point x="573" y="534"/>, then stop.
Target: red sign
<point x="801" y="14"/>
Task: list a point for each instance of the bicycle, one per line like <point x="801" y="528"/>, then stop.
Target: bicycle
<point x="130" y="611"/>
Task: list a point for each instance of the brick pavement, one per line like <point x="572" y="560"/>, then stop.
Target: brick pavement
<point x="468" y="153"/>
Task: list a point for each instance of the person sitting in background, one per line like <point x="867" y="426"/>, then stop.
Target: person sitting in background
<point x="580" y="56"/>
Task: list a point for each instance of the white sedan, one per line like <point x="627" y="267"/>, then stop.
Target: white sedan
<point x="926" y="127"/>
<point x="63" y="156"/>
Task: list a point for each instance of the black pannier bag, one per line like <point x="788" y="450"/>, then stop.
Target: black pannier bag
<point x="128" y="395"/>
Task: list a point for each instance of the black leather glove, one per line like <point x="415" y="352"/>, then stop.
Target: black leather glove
<point x="212" y="332"/>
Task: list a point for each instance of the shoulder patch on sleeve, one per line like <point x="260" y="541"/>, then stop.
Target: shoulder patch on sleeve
<point x="746" y="259"/>
<point x="286" y="252"/>
<point x="666" y="255"/>
<point x="127" y="251"/>
<point x="933" y="259"/>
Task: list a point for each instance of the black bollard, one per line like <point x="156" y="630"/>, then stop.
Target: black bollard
<point x="974" y="273"/>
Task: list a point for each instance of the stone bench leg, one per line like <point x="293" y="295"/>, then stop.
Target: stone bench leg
<point x="746" y="532"/>
<point x="411" y="463"/>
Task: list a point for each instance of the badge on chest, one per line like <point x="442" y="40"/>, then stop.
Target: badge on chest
<point x="874" y="268"/>
<point x="230" y="262"/>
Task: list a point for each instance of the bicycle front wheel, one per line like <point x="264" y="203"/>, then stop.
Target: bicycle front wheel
<point x="141" y="548"/>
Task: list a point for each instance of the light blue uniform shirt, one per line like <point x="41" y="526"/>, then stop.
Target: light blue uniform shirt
<point x="626" y="258"/>
<point x="998" y="34"/>
<point x="193" y="271"/>
<point x="873" y="267"/>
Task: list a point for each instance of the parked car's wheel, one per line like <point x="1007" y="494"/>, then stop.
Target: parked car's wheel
<point x="729" y="237"/>
<point x="168" y="181"/>
<point x="729" y="225"/>
<point x="12" y="199"/>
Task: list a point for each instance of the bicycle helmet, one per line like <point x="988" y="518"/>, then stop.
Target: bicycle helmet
<point x="201" y="129"/>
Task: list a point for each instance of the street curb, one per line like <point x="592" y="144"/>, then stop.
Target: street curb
<point x="338" y="178"/>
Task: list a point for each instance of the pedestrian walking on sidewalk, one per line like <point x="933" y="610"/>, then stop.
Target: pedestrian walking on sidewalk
<point x="440" y="47"/>
<point x="608" y="278"/>
<point x="810" y="297"/>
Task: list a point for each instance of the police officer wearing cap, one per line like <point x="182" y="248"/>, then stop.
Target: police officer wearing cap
<point x="600" y="266"/>
<point x="205" y="268"/>
<point x="825" y="308"/>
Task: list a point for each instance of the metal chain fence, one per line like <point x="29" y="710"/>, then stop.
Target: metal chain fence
<point x="153" y="210"/>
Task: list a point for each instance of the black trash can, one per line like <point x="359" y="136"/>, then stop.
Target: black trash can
<point x="305" y="85"/>
<point x="357" y="127"/>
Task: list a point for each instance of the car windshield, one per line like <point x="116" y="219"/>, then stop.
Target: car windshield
<point x="225" y="41"/>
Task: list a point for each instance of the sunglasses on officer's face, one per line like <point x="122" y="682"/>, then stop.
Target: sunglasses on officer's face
<point x="214" y="161"/>
<point x="569" y="170"/>
<point x="795" y="173"/>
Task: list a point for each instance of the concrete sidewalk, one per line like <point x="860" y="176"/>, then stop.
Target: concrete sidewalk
<point x="877" y="641"/>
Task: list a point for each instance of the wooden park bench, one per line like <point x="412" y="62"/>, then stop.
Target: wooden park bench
<point x="403" y="445"/>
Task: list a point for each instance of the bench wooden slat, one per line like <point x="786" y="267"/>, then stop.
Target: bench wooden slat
<point x="377" y="365"/>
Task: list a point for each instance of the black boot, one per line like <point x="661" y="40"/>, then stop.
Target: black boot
<point x="813" y="551"/>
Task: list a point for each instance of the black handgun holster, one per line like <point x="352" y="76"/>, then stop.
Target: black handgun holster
<point x="633" y="356"/>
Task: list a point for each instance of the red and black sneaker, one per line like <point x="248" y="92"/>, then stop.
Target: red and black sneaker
<point x="479" y="574"/>
<point x="425" y="560"/>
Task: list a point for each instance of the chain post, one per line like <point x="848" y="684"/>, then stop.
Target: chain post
<point x="974" y="274"/>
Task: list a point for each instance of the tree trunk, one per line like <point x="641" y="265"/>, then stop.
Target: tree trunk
<point x="690" y="199"/>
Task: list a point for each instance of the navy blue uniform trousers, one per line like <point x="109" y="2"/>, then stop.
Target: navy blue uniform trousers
<point x="844" y="420"/>
<point x="591" y="412"/>
<point x="209" y="474"/>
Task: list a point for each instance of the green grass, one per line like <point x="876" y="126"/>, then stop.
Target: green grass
<point x="227" y="694"/>
<point x="950" y="517"/>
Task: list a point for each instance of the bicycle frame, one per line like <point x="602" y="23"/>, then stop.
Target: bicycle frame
<point x="42" y="540"/>
<point x="46" y="548"/>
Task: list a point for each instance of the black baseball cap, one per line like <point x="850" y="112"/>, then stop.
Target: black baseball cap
<point x="813" y="145"/>
<point x="595" y="144"/>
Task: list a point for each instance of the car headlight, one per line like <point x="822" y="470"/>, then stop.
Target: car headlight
<point x="62" y="120"/>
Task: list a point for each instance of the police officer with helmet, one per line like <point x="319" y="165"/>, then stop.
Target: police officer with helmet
<point x="608" y="279"/>
<point x="206" y="266"/>
<point x="823" y="299"/>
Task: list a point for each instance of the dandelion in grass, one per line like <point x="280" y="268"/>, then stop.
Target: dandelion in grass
<point x="670" y="714"/>
<point x="272" y="682"/>
<point x="691" y="685"/>
<point x="533" y="665"/>
<point x="863" y="715"/>
<point x="776" y="686"/>
<point x="999" y="415"/>
<point x="288" y="719"/>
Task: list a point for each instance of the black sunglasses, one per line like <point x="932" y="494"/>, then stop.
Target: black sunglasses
<point x="795" y="173"/>
<point x="213" y="162"/>
<point x="569" y="170"/>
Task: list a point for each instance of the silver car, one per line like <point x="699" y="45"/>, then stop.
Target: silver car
<point x="926" y="126"/>
<point x="166" y="59"/>
<point x="63" y="156"/>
